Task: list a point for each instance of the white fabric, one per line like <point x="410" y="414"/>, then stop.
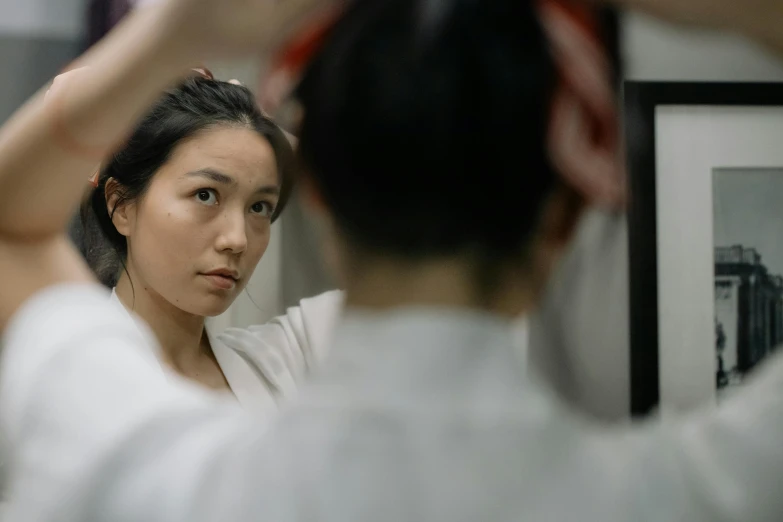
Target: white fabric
<point x="420" y="414"/>
<point x="579" y="338"/>
<point x="264" y="364"/>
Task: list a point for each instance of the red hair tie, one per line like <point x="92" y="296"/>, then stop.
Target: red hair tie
<point x="288" y="64"/>
<point x="581" y="13"/>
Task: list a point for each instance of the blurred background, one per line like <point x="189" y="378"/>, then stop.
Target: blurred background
<point x="39" y="37"/>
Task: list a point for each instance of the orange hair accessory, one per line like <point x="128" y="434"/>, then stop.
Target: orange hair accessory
<point x="288" y="64"/>
<point x="582" y="13"/>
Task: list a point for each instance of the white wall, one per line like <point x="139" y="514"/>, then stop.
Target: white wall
<point x="37" y="38"/>
<point x="52" y="18"/>
<point x="656" y="51"/>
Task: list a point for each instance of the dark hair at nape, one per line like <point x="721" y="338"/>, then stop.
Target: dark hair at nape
<point x="195" y="105"/>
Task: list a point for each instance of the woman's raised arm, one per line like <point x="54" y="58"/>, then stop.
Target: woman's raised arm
<point x="51" y="145"/>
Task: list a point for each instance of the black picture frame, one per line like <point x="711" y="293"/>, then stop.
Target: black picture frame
<point x="640" y="100"/>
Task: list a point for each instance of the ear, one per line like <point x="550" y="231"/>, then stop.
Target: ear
<point x="122" y="212"/>
<point x="583" y="136"/>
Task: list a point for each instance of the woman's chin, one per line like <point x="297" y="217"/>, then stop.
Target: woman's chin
<point x="211" y="305"/>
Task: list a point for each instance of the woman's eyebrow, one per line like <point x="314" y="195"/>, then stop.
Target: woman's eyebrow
<point x="213" y="175"/>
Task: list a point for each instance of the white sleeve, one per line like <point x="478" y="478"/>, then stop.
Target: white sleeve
<point x="717" y="465"/>
<point x="96" y="429"/>
<point x="288" y="346"/>
<point x="733" y="458"/>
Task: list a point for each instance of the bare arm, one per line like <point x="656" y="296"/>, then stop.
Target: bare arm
<point x="51" y="145"/>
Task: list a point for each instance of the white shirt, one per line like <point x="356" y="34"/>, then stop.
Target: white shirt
<point x="264" y="364"/>
<point x="417" y="415"/>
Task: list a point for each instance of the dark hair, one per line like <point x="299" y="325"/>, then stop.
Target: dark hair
<point x="197" y="104"/>
<point x="425" y="126"/>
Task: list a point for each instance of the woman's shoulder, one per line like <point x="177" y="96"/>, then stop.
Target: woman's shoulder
<point x="311" y="314"/>
<point x="299" y="338"/>
<point x="327" y="305"/>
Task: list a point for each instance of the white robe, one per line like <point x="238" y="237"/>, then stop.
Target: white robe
<point x="264" y="364"/>
<point x="419" y="414"/>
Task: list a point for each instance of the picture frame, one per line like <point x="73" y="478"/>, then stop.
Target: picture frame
<point x="689" y="146"/>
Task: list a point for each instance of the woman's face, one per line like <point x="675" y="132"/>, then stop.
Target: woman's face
<point x="197" y="234"/>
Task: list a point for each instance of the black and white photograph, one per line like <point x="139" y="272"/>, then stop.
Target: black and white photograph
<point x="747" y="231"/>
<point x="705" y="239"/>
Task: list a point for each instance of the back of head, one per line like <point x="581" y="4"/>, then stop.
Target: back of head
<point x="197" y="104"/>
<point x="424" y="126"/>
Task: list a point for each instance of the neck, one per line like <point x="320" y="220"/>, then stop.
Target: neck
<point x="451" y="283"/>
<point x="179" y="333"/>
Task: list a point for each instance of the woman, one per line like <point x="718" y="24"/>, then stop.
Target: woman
<point x="179" y="219"/>
<point x="421" y="413"/>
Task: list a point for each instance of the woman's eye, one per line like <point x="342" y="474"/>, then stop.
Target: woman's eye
<point x="262" y="208"/>
<point x="206" y="196"/>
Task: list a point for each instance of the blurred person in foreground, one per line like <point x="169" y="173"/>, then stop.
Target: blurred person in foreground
<point x="451" y="148"/>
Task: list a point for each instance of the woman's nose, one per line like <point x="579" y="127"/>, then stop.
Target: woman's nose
<point x="233" y="233"/>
